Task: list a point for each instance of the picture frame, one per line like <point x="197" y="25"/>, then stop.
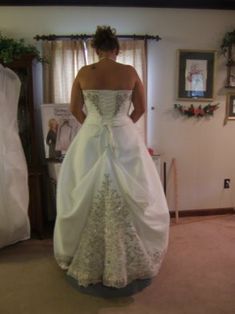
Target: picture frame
<point x="59" y="127"/>
<point x="232" y="77"/>
<point x="230" y="107"/>
<point x="196" y="73"/>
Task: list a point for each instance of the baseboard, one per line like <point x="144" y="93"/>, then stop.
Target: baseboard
<point x="204" y="212"/>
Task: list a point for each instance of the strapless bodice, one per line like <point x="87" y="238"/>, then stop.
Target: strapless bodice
<point x="107" y="106"/>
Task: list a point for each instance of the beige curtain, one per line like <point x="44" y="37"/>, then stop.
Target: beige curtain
<point x="91" y="55"/>
<point x="133" y="52"/>
<point x="66" y="57"/>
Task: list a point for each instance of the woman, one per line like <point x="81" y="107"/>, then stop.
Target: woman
<point x="51" y="139"/>
<point x="111" y="230"/>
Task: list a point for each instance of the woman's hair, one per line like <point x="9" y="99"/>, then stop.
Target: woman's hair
<point x="105" y="39"/>
<point x="51" y="122"/>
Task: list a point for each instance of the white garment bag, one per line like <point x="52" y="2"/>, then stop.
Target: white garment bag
<point x="14" y="194"/>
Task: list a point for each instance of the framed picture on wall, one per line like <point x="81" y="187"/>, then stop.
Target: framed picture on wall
<point x="230" y="107"/>
<point x="196" y="71"/>
<point x="232" y="77"/>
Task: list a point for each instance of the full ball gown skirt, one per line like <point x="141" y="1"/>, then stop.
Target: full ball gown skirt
<point x="112" y="217"/>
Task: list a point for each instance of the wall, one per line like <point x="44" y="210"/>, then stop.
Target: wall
<point x="204" y="150"/>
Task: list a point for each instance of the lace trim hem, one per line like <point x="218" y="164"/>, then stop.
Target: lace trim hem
<point x="85" y="280"/>
<point x="63" y="261"/>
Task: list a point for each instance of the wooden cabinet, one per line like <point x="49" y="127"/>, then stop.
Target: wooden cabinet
<point x="29" y="133"/>
<point x="230" y="81"/>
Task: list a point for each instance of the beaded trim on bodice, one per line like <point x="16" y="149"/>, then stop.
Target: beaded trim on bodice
<point x="107" y="103"/>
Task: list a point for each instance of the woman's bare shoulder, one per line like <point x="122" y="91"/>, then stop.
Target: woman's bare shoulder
<point x="125" y="66"/>
<point x="129" y="68"/>
<point x="86" y="68"/>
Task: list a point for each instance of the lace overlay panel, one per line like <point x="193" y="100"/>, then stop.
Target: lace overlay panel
<point x="110" y="250"/>
<point x="117" y="102"/>
<point x="94" y="99"/>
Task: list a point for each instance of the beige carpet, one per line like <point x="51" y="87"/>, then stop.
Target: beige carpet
<point x="197" y="277"/>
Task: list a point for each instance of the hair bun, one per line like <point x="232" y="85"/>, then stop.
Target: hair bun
<point x="105" y="39"/>
<point x="105" y="32"/>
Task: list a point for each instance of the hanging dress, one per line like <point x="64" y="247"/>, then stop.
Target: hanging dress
<point x="14" y="194"/>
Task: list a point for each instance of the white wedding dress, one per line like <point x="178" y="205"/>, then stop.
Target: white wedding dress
<point x="14" y="194"/>
<point x="112" y="216"/>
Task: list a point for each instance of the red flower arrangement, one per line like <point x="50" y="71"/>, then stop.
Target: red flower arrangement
<point x="198" y="112"/>
<point x="151" y="151"/>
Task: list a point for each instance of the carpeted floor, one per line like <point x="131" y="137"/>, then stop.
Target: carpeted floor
<point x="197" y="277"/>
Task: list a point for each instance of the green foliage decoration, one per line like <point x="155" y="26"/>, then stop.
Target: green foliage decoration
<point x="12" y="49"/>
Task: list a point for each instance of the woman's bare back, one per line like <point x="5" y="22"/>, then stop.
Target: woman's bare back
<point x="107" y="74"/>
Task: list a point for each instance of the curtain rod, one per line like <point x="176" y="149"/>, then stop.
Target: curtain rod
<point x="85" y="36"/>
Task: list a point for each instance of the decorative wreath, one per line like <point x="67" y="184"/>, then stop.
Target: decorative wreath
<point x="198" y="112"/>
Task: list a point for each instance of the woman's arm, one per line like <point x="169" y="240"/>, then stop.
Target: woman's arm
<point x="138" y="99"/>
<point x="77" y="101"/>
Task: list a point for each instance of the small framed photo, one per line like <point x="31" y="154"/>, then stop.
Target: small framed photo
<point x="196" y="71"/>
<point x="59" y="128"/>
<point x="232" y="78"/>
<point x="230" y="106"/>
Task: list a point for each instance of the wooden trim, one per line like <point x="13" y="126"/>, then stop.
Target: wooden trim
<point x="192" y="4"/>
<point x="204" y="212"/>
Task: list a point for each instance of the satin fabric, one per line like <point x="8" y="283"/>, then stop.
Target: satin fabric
<point x="108" y="178"/>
